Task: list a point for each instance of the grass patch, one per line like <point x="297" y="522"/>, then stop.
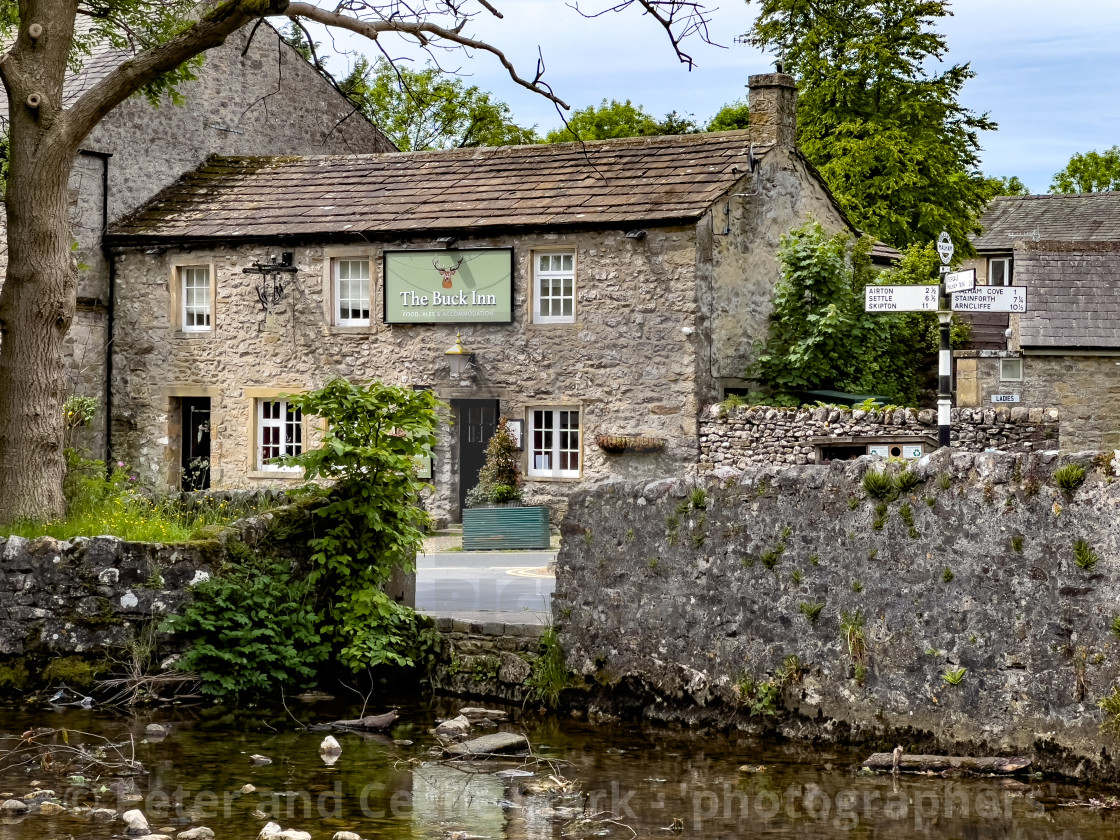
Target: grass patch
<point x="879" y="485"/>
<point x="1017" y="543"/>
<point x="112" y="504"/>
<point x="857" y="586"/>
<point x="1069" y="478"/>
<point x="549" y="675"/>
<point x="811" y="610"/>
<point x="947" y="575"/>
<point x="907" y="481"/>
<point x="953" y="676"/>
<point x="1084" y="556"/>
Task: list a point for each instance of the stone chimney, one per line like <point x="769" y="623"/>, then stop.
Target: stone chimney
<point x="773" y="108"/>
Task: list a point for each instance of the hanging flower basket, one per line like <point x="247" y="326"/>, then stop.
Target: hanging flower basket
<point x="617" y="444"/>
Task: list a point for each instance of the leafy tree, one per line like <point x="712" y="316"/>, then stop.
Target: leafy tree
<point x="820" y="338"/>
<point x="1009" y="186"/>
<point x="730" y="117"/>
<point x="373" y="521"/>
<point x="605" y="121"/>
<point x="888" y="133"/>
<point x="1089" y="172"/>
<point x="427" y="109"/>
<point x="168" y="38"/>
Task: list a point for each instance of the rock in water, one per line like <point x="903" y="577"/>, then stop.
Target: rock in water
<point x="292" y="834"/>
<point x="473" y="713"/>
<point x="200" y="833"/>
<point x="269" y="832"/>
<point x="154" y="730"/>
<point x="247" y="789"/>
<point x="330" y="746"/>
<point x="49" y="809"/>
<point x="260" y="760"/>
<point x="453" y="728"/>
<point x="136" y="822"/>
<point x="346" y="835"/>
<point x="369" y="722"/>
<point x="499" y="742"/>
<point x="13" y="806"/>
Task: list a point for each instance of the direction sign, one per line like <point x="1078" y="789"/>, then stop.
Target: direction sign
<point x="945" y="247"/>
<point x="991" y="299"/>
<point x="900" y="298"/>
<point x="960" y="281"/>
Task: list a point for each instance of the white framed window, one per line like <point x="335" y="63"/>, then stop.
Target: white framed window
<point x="1011" y="369"/>
<point x="554" y="442"/>
<point x="279" y="432"/>
<point x="195" y="295"/>
<point x="999" y="271"/>
<point x="351" y="292"/>
<point x="554" y="287"/>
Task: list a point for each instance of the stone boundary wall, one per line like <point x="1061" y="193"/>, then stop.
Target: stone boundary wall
<point x="679" y="599"/>
<point x="490" y="660"/>
<point x="91" y="595"/>
<point x="766" y="435"/>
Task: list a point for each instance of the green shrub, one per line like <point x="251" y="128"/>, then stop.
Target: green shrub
<point x="372" y="522"/>
<point x="254" y="630"/>
<point x="1069" y="478"/>
<point x="499" y="480"/>
<point x="953" y="676"/>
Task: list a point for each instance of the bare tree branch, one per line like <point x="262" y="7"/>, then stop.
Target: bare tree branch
<point x="681" y="19"/>
<point x="423" y="31"/>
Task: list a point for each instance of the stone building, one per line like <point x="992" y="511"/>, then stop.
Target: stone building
<point x="601" y="289"/>
<point x="1064" y="351"/>
<point x="250" y="97"/>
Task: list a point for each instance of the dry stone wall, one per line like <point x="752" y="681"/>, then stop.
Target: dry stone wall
<point x="767" y="435"/>
<point x="683" y="598"/>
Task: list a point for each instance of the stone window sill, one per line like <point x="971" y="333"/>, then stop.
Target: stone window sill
<point x="288" y="475"/>
<point x="193" y="334"/>
<point x="335" y="329"/>
<point x="553" y="479"/>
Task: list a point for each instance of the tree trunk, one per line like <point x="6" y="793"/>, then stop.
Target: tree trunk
<point x="36" y="308"/>
<point x="38" y="299"/>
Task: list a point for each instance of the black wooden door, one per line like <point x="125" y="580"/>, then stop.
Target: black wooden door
<point x="477" y="421"/>
<point x="195" y="464"/>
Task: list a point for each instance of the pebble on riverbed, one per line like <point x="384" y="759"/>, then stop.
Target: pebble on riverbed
<point x="200" y="833"/>
<point x="260" y="760"/>
<point x="137" y="823"/>
<point x="13" y="806"/>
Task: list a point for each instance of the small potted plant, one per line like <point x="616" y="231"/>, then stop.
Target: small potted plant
<point x="495" y="517"/>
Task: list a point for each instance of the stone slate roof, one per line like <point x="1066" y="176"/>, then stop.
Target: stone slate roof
<point x="1073" y="294"/>
<point x="1086" y="217"/>
<point x="632" y="181"/>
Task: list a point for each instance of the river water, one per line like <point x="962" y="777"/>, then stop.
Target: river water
<point x="614" y="781"/>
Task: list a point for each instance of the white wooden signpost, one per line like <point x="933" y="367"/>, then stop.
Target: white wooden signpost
<point x="960" y="281"/>
<point x="991" y="299"/>
<point x="967" y="297"/>
<point x="900" y="298"/>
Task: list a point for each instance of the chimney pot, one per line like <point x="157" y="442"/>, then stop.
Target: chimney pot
<point x="773" y="109"/>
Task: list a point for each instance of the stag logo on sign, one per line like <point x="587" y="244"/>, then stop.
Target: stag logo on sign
<point x="448" y="274"/>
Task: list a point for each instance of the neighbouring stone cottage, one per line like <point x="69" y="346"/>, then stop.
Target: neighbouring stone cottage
<point x="254" y="95"/>
<point x="598" y="289"/>
<point x="1064" y="351"/>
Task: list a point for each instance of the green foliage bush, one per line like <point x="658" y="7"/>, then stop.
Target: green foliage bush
<point x="372" y="520"/>
<point x="549" y="675"/>
<point x="879" y="485"/>
<point x="255" y="631"/>
<point x="499" y="480"/>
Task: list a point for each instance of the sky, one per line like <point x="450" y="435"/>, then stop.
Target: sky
<point x="1047" y="72"/>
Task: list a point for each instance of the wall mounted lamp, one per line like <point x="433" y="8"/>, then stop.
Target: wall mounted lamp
<point x="461" y="361"/>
